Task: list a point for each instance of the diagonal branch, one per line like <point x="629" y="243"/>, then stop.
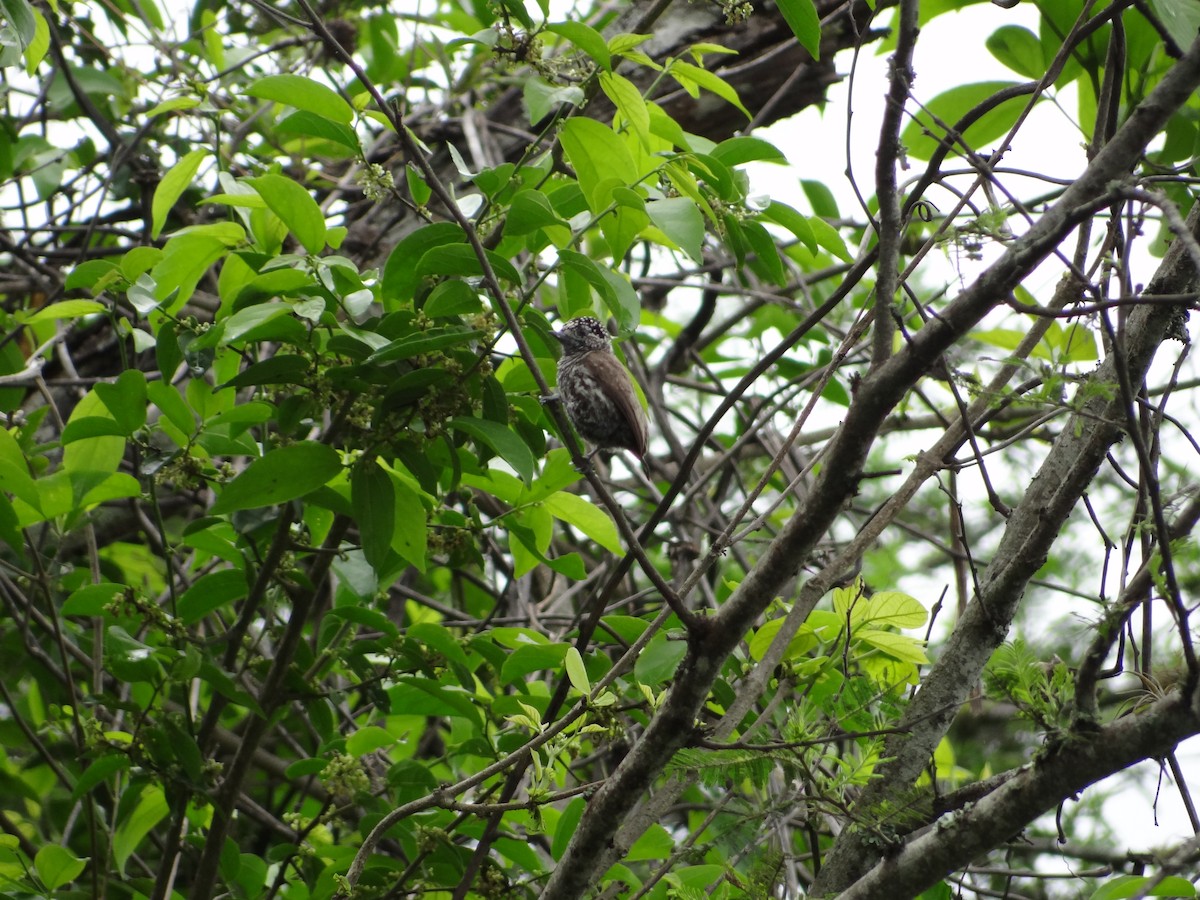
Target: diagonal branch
<point x="1031" y="529"/>
<point x="1054" y="776"/>
<point x="876" y="397"/>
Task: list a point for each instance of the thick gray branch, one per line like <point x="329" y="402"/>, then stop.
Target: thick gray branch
<point x="1058" y="773"/>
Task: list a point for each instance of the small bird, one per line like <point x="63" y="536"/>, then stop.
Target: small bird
<point x="596" y="390"/>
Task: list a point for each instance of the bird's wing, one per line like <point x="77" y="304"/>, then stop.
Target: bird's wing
<point x="627" y="401"/>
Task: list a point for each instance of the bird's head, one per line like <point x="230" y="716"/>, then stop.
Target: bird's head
<point x="583" y="335"/>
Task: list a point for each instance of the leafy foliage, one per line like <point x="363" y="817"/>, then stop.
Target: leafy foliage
<point x="310" y="589"/>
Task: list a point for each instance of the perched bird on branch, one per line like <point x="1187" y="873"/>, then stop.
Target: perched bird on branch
<point x="597" y="392"/>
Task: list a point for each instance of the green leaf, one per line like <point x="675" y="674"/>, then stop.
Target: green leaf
<point x="295" y="207"/>
<point x="452" y="298"/>
<point x="801" y="642"/>
<point x="282" y="474"/>
<point x="91" y="599"/>
<point x="410" y="534"/>
<point x="439" y="638"/>
<point x="421" y="192"/>
<point x="312" y="125"/>
<point x="680" y="220"/>
<point x="587" y="39"/>
<point x="126" y="400"/>
<point x="424" y="697"/>
<point x="922" y="136"/>
<point x="303" y="93"/>
<point x="1018" y="48"/>
<point x="186" y="258"/>
<point x="801" y="17"/>
<point x="36" y="47"/>
<point x="613" y="287"/>
<point x="368" y="739"/>
<point x="542" y="97"/>
<point x="820" y="198"/>
<point x="789" y="218"/>
<point x="628" y="100"/>
<point x="827" y="236"/>
<point x="80" y="429"/>
<point x="767" y="263"/>
<point x="57" y="866"/>
<point x="532" y="658"/>
<point x="91" y="274"/>
<point x="19" y="14"/>
<point x="576" y="672"/>
<point x="100" y="454"/>
<point x="129" y="658"/>
<point x="461" y="259"/>
<point x="892" y="608"/>
<point x="364" y="616"/>
<point x="66" y="309"/>
<point x="400" y="279"/>
<point x="209" y="593"/>
<point x="374" y="504"/>
<point x="172" y="405"/>
<point x="500" y="438"/>
<point x="422" y="342"/>
<point x="221" y="682"/>
<point x="1181" y="18"/>
<point x="1124" y="886"/>
<point x="284" y="368"/>
<point x="567" y="825"/>
<point x="736" y="151"/>
<point x="150" y="810"/>
<point x="171" y="105"/>
<point x="897" y="646"/>
<point x="655" y="843"/>
<point x="171" y="188"/>
<point x="691" y="78"/>
<point x="600" y="159"/>
<point x="659" y="660"/>
<point x="98" y="771"/>
<point x="587" y="517"/>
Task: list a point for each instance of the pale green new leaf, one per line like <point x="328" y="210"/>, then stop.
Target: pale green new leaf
<point x="692" y="77"/>
<point x="576" y="672"/>
<point x="598" y="156"/>
<point x="896" y="609"/>
<point x="35" y="51"/>
<point x="303" y="93"/>
<point x="897" y="646"/>
<point x="587" y="39"/>
<point x="57" y="866"/>
<point x="680" y="220"/>
<point x="295" y="207"/>
<point x="801" y="17"/>
<point x="66" y="309"/>
<point x="542" y="97"/>
<point x="628" y="100"/>
<point x="587" y="517"/>
<point x="368" y="739"/>
<point x="171" y="188"/>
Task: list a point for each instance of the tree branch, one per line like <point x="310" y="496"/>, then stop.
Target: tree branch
<point x="877" y="395"/>
<point x="1057" y="774"/>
